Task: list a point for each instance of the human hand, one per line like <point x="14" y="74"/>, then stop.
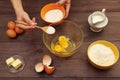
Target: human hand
<point x="21" y="15"/>
<point x="24" y="17"/>
<point x="66" y="4"/>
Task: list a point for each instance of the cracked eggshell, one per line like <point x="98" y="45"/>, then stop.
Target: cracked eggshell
<point x="49" y="70"/>
<point x="47" y="60"/>
<point x="39" y="67"/>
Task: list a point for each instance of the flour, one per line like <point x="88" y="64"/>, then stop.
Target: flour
<point x="101" y="55"/>
<point x="54" y="15"/>
<point x="50" y="30"/>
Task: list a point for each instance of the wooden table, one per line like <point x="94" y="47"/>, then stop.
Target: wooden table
<point x="31" y="47"/>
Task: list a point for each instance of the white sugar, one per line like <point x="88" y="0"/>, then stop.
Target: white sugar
<point x="54" y="15"/>
<point x="101" y="55"/>
<point x="50" y="30"/>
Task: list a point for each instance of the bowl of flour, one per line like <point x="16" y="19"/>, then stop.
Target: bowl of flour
<point x="52" y="13"/>
<point x="102" y="54"/>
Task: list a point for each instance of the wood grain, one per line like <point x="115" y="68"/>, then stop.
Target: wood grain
<point x="30" y="44"/>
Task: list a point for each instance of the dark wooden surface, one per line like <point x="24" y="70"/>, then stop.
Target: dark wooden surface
<point x="31" y="47"/>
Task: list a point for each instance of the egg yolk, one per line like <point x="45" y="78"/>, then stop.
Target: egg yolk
<point x="58" y="48"/>
<point x="63" y="43"/>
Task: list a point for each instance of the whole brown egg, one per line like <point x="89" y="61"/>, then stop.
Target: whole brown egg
<point x="11" y="33"/>
<point x="19" y="30"/>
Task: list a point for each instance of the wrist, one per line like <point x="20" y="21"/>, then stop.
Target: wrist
<point x="17" y="5"/>
<point x="19" y="11"/>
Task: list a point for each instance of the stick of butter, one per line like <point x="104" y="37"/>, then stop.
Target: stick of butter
<point x="9" y="61"/>
<point x="17" y="63"/>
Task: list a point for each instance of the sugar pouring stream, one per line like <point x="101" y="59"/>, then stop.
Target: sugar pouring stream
<point x="47" y="29"/>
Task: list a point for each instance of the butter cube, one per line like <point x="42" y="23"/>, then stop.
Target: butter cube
<point x="9" y="61"/>
<point x="16" y="64"/>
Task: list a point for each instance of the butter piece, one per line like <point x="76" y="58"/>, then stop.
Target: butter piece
<point x="9" y="61"/>
<point x="17" y="63"/>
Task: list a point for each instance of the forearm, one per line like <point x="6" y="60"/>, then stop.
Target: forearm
<point x="17" y="5"/>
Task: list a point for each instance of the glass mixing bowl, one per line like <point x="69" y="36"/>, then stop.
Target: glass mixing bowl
<point x="66" y="30"/>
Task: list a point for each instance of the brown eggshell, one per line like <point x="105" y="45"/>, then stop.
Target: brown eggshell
<point x="46" y="60"/>
<point x="39" y="67"/>
<point x="49" y="70"/>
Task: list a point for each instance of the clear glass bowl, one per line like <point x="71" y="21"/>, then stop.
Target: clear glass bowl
<point x="13" y="70"/>
<point x="68" y="29"/>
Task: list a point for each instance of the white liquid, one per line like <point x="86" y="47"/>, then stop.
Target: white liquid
<point x="101" y="55"/>
<point x="54" y="15"/>
<point x="97" y="18"/>
<point x="50" y="30"/>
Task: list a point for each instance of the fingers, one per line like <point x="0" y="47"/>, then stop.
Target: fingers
<point x="61" y="2"/>
<point x="29" y="21"/>
<point x="34" y="20"/>
<point x="67" y="10"/>
<point x="24" y="27"/>
<point x="24" y="17"/>
<point x="29" y="25"/>
<point x="66" y="4"/>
